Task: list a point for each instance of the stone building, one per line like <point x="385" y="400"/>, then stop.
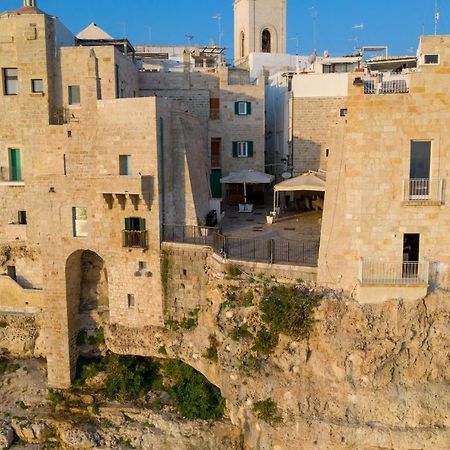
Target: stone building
<point x="386" y="220"/>
<point x="91" y="167"/>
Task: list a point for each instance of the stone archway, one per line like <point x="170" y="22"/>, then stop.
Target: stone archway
<point x="93" y="282"/>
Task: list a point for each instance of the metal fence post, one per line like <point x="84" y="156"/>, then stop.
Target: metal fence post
<point x="271" y="251"/>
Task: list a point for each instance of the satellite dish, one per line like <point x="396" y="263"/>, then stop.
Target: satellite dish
<point x="286" y="175"/>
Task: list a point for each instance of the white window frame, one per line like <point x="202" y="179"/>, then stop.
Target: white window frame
<point x="242" y="108"/>
<point x="431" y="54"/>
<point x="242" y="149"/>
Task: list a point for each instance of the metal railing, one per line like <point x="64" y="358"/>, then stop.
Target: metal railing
<point x="135" y="238"/>
<point x="271" y="251"/>
<point x="189" y="234"/>
<point x="423" y="189"/>
<point x="386" y="83"/>
<point x="397" y="273"/>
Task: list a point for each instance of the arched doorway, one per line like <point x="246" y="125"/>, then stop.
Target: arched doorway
<point x="266" y="41"/>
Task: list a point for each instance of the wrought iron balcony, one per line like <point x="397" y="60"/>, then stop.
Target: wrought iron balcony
<point x="426" y="190"/>
<point x="135" y="238"/>
<point x="393" y="273"/>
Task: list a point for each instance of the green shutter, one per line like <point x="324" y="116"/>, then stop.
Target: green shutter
<point x="249" y="108"/>
<point x="250" y="149"/>
<point x="141" y="224"/>
<point x="128" y="223"/>
<point x="236" y="108"/>
<point x="15" y="166"/>
<point x="216" y="185"/>
<point x="235" y="149"/>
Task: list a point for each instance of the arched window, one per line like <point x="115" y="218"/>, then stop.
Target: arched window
<point x="266" y="41"/>
<point x="242" y="44"/>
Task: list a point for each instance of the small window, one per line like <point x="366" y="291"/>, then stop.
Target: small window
<point x="22" y="217"/>
<point x="130" y="300"/>
<point x="142" y="266"/>
<point x="243" y="108"/>
<point x="327" y="152"/>
<point x="243" y="149"/>
<point x="74" y="95"/>
<point x="124" y="165"/>
<point x="134" y="224"/>
<point x="79" y="222"/>
<point x="431" y="59"/>
<point x="343" y="112"/>
<point x="10" y="81"/>
<point x="37" y="86"/>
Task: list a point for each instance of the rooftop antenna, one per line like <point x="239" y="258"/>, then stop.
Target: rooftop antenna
<point x="356" y="38"/>
<point x="124" y="25"/>
<point x="189" y="38"/>
<point x="436" y="17"/>
<point x="297" y="40"/>
<point x="149" y="29"/>
<point x="314" y="14"/>
<point x="218" y="17"/>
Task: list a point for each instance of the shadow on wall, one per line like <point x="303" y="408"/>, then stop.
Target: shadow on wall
<point x="307" y="155"/>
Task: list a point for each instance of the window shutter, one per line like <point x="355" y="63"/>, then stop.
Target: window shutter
<point x="141" y="224"/>
<point x="235" y="149"/>
<point x="250" y="149"/>
<point x="236" y="108"/>
<point x="128" y="223"/>
<point x="249" y="108"/>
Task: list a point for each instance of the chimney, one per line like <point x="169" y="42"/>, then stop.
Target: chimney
<point x="29" y="3"/>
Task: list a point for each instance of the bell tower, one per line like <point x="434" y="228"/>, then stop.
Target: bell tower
<point x="259" y="26"/>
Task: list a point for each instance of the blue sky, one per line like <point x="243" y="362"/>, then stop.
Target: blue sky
<point x="395" y="23"/>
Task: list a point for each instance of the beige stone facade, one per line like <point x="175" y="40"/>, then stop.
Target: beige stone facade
<point x="374" y="202"/>
<point x="96" y="177"/>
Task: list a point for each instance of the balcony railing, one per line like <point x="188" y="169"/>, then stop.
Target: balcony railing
<point x="393" y="273"/>
<point x="423" y="190"/>
<point x="135" y="239"/>
<point x="386" y="83"/>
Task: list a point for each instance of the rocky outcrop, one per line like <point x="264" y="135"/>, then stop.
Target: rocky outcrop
<point x="370" y="376"/>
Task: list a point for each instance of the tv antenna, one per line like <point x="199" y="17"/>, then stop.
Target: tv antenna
<point x="436" y="17"/>
<point x="218" y="17"/>
<point x="189" y="38"/>
<point x="297" y="41"/>
<point x="314" y="14"/>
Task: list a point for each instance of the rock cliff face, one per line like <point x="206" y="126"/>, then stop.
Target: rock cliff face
<point x="369" y="376"/>
<point x="372" y="376"/>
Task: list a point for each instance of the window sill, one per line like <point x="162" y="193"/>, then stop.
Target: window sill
<point x="37" y="94"/>
<point x="12" y="183"/>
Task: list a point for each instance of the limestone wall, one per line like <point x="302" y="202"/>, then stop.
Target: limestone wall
<point x="365" y="215"/>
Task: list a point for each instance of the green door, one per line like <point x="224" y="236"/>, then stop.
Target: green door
<point x="15" y="167"/>
<point x="216" y="185"/>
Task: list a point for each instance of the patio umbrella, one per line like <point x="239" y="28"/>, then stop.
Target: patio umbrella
<point x="247" y="177"/>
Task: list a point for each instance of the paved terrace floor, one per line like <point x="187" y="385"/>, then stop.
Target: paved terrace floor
<point x="296" y="226"/>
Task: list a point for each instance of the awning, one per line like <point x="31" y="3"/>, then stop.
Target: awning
<point x="247" y="177"/>
<point x="310" y="181"/>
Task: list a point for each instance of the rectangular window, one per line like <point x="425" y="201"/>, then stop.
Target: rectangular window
<point x="215" y="152"/>
<point x="37" y="86"/>
<point x="130" y="300"/>
<point x="124" y="165"/>
<point x="117" y="77"/>
<point x="243" y="108"/>
<point x="243" y="149"/>
<point x="74" y="95"/>
<point x="22" y="217"/>
<point x="214" y="108"/>
<point x="79" y="222"/>
<point x="343" y="112"/>
<point x="11" y="81"/>
<point x="419" y="170"/>
<point x="431" y="59"/>
<point x="15" y="165"/>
